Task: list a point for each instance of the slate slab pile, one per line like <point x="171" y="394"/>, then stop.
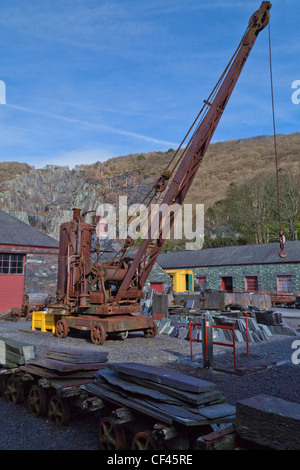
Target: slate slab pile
<point x="262" y="325"/>
<point x="170" y="397"/>
<point x="179" y="327"/>
<point x="269" y="421"/>
<point x="274" y="322"/>
<point x="268" y="317"/>
<point x="14" y="353"/>
<point x="67" y="363"/>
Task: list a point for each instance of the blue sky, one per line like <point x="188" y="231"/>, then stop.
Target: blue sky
<point x="90" y="79"/>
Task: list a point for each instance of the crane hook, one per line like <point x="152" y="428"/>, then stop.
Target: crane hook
<point x="282" y="241"/>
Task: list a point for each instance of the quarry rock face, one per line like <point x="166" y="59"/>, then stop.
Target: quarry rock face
<point x="44" y="198"/>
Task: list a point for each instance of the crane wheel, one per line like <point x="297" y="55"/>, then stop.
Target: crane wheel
<point x="98" y="334"/>
<point x="151" y="332"/>
<point x="61" y="329"/>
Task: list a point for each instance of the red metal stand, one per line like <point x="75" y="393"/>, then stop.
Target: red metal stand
<point x="230" y="345"/>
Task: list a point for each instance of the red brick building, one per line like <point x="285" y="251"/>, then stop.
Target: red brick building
<point x="28" y="263"/>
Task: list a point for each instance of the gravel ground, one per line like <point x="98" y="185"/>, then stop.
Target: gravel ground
<point x="22" y="431"/>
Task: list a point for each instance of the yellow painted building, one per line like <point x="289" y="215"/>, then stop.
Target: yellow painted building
<point x="183" y="279"/>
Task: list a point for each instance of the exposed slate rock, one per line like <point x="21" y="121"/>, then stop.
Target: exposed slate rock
<point x="269" y="421"/>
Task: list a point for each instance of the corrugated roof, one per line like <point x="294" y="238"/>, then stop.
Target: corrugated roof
<point x="230" y="256"/>
<point x="15" y="232"/>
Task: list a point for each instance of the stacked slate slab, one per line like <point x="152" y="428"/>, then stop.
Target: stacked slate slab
<point x="262" y="325"/>
<point x="170" y="397"/>
<point x="269" y="421"/>
<point x="283" y="330"/>
<point x="274" y="322"/>
<point x="268" y="317"/>
<point x="179" y="327"/>
<point x="14" y="353"/>
<point x="256" y="332"/>
<point x="72" y="363"/>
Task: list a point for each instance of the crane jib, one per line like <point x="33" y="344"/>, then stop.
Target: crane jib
<point x="149" y="250"/>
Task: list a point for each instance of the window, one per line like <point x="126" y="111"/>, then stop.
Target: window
<point x="201" y="280"/>
<point x="11" y="264"/>
<point x="251" y="283"/>
<point x="284" y="283"/>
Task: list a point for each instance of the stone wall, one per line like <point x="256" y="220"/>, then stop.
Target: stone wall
<point x="40" y="276"/>
<point x="266" y="274"/>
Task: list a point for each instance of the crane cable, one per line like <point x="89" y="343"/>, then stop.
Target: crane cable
<point x="281" y="236"/>
<point x="167" y="171"/>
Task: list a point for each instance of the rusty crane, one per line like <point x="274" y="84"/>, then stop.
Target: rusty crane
<point x="103" y="296"/>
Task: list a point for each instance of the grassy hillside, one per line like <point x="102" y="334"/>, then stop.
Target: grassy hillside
<point x="10" y="170"/>
<point x="234" y="161"/>
<point x="44" y="198"/>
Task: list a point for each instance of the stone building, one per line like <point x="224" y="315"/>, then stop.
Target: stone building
<point x="247" y="268"/>
<point x="28" y="263"/>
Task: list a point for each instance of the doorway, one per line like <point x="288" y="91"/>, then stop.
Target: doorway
<point x="227" y="283"/>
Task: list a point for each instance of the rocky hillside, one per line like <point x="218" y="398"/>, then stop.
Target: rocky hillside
<point x="45" y="197"/>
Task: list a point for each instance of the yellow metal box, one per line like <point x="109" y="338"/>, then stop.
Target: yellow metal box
<point x="44" y="321"/>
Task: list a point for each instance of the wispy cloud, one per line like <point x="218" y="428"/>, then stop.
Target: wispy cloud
<point x="112" y="110"/>
<point x="125" y="76"/>
<point x="92" y="125"/>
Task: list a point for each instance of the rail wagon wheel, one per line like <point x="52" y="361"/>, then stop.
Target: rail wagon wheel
<point x="59" y="411"/>
<point x="15" y="391"/>
<point x="143" y="441"/>
<point x="151" y="332"/>
<point x="111" y="435"/>
<point x="123" y="334"/>
<point x="61" y="329"/>
<point x="37" y="401"/>
<point x="2" y="386"/>
<point x="98" y="334"/>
